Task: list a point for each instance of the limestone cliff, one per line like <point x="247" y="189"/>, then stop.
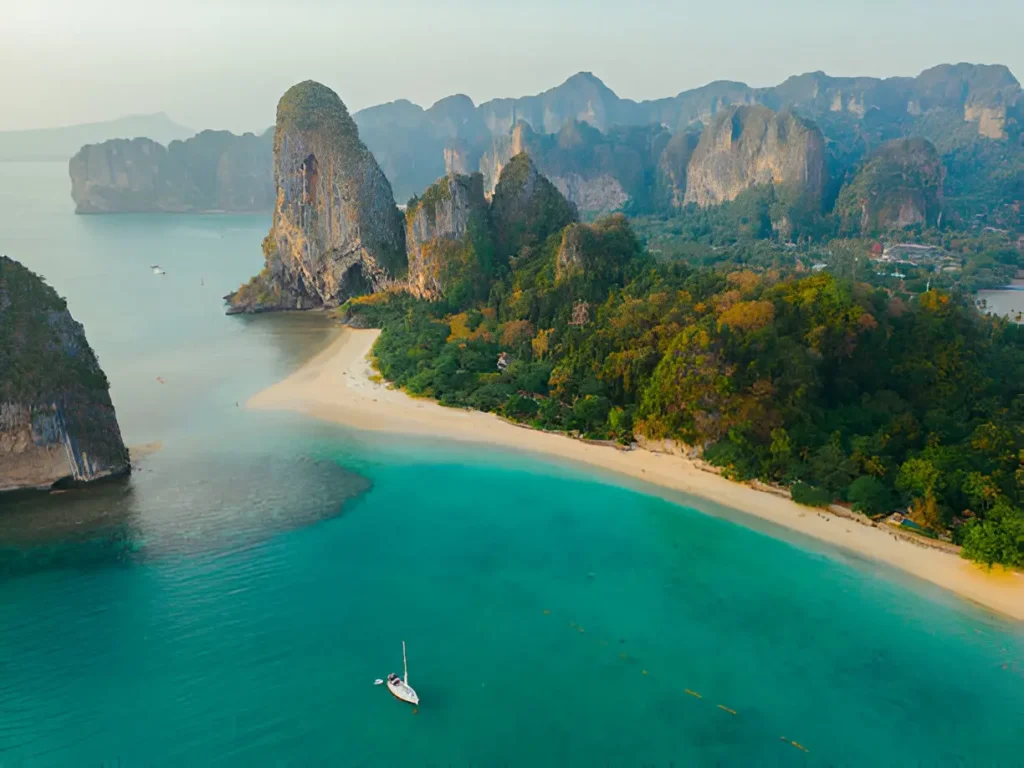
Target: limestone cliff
<point x="501" y="149"/>
<point x="57" y="423"/>
<point x="456" y="159"/>
<point x="991" y="120"/>
<point x="596" y="252"/>
<point x="672" y="168"/>
<point x="526" y="207"/>
<point x="746" y="147"/>
<point x="336" y="232"/>
<point x="945" y="104"/>
<point x="443" y="233"/>
<point x="212" y="171"/>
<point x="598" y="172"/>
<point x="900" y="185"/>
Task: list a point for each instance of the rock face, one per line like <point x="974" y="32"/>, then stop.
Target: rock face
<point x="456" y="160"/>
<point x="526" y="207"/>
<point x="57" y="423"/>
<point x="411" y="143"/>
<point x="900" y="185"/>
<point x="569" y="259"/>
<point x="945" y="104"/>
<point x="212" y="171"/>
<point x="747" y="147"/>
<point x="337" y="232"/>
<point x="602" y="151"/>
<point x="593" y="194"/>
<point x="598" y="172"/>
<point x="596" y="254"/>
<point x="581" y="98"/>
<point x="991" y="120"/>
<point x="438" y="237"/>
<point x="672" y="169"/>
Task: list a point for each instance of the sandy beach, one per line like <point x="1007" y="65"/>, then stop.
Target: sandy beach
<point x="337" y="386"/>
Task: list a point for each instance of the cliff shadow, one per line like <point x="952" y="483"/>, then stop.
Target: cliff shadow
<point x="179" y="506"/>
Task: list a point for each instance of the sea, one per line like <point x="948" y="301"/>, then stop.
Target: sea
<point x="233" y="602"/>
<point x="1006" y="302"/>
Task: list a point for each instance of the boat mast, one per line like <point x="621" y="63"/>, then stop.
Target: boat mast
<point x="405" y="664"/>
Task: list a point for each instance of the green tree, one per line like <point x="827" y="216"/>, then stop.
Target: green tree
<point x="781" y="450"/>
<point x="920" y="477"/>
<point x="869" y="495"/>
<point x="810" y="496"/>
<point x="999" y="539"/>
<point x="831" y="467"/>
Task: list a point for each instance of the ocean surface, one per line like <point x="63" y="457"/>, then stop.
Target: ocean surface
<point x="232" y="603"/>
<point x="1008" y="301"/>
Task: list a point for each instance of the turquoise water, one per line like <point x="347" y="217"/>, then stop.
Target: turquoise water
<point x="232" y="603"/>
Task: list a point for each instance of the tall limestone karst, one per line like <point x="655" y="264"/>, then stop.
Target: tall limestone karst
<point x="212" y="171"/>
<point x="751" y="146"/>
<point x="595" y="256"/>
<point x="57" y="422"/>
<point x="899" y="185"/>
<point x="447" y="239"/>
<point x="336" y="232"/>
<point x="599" y="172"/>
<point x="670" y="178"/>
<point x="526" y="208"/>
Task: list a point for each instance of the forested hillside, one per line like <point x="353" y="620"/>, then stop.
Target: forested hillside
<point x="841" y="389"/>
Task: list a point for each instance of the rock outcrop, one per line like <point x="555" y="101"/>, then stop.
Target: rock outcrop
<point x="948" y="105"/>
<point x="592" y="194"/>
<point x="602" y="151"/>
<point x="900" y="185"/>
<point x="336" y="232"/>
<point x="596" y="253"/>
<point x="598" y="172"/>
<point x="991" y="120"/>
<point x="672" y="168"/>
<point x="57" y="423"/>
<point x="747" y="147"/>
<point x="212" y="171"/>
<point x="439" y="242"/>
<point x="526" y="207"/>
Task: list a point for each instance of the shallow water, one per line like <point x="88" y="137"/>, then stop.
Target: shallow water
<point x="1007" y="302"/>
<point x="233" y="601"/>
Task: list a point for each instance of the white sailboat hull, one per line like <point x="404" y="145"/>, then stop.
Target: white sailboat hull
<point x="403" y="691"/>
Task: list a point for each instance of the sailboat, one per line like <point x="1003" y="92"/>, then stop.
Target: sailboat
<point x="399" y="686"/>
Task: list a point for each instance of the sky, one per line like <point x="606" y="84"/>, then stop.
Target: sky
<point x="224" y="63"/>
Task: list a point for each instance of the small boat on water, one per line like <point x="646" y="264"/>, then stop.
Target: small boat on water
<point x="399" y="686"/>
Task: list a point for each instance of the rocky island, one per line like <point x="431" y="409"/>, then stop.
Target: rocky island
<point x="57" y="423"/>
<point x="336" y="231"/>
<point x="212" y="171"/>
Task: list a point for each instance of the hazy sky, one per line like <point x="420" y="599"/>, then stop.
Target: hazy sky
<point x="224" y="63"/>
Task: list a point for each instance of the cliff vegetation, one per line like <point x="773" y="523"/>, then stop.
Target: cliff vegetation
<point x="57" y="422"/>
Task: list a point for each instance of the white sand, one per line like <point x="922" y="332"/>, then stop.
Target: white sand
<point x="336" y="386"/>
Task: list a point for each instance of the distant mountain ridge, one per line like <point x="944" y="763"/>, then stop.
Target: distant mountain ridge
<point x="63" y="142"/>
<point x="608" y="154"/>
<point x="411" y="142"/>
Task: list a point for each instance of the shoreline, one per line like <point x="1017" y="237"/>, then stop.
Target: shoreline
<point x="336" y="386"/>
